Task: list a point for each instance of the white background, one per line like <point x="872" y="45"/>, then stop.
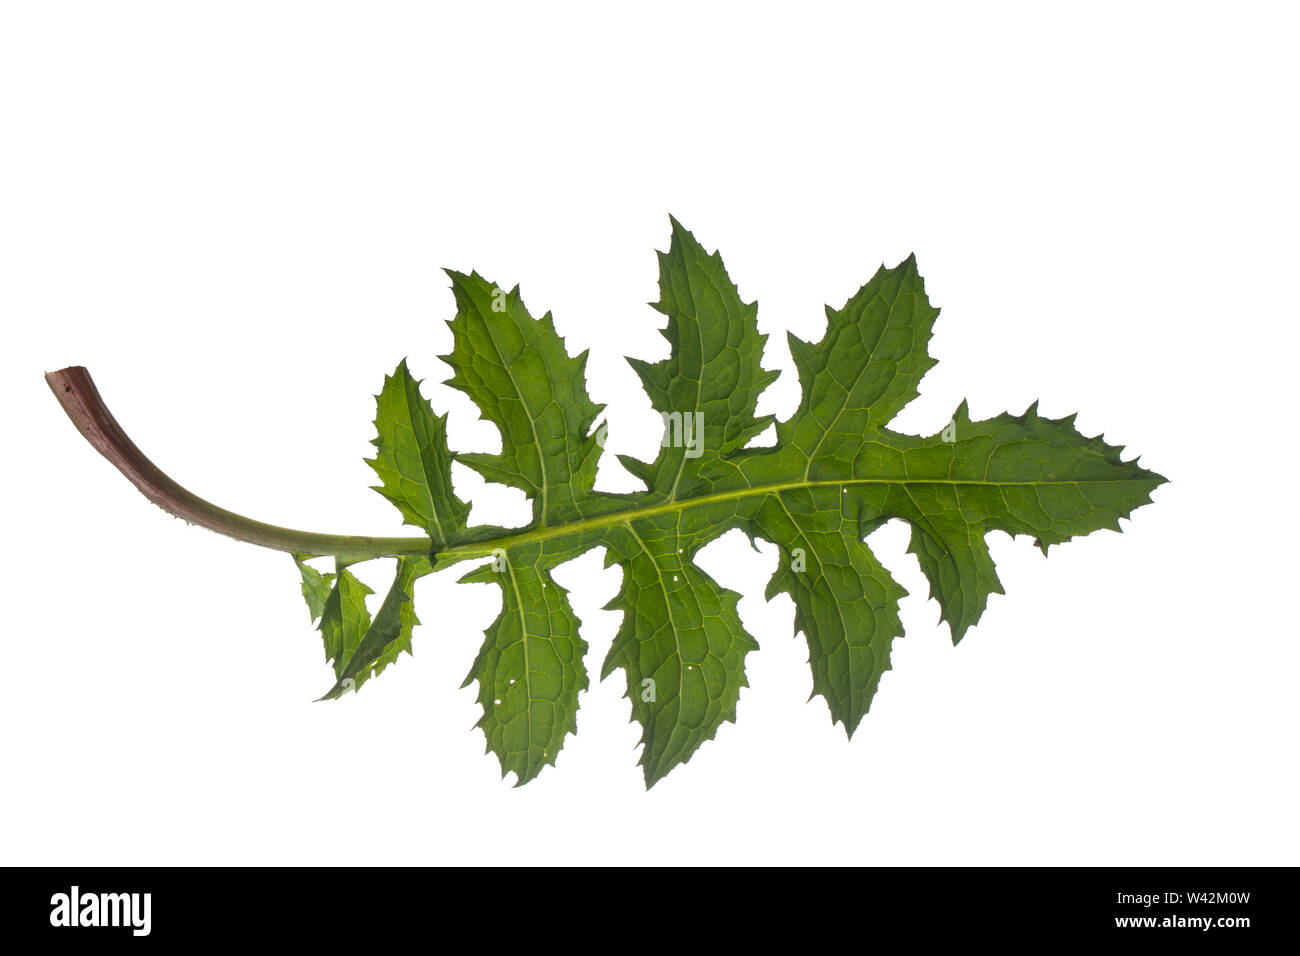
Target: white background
<point x="236" y="216"/>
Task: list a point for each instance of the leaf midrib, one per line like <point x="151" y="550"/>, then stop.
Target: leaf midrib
<point x="484" y="548"/>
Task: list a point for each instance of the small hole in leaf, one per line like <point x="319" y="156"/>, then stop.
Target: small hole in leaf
<point x="67" y="388"/>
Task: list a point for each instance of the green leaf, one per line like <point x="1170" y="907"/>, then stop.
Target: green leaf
<point x="384" y="638"/>
<point x="708" y="387"/>
<point x="845" y="602"/>
<point x="358" y="647"/>
<point x="344" y="618"/>
<point x="530" y="669"/>
<point x="516" y="370"/>
<point x="836" y="473"/>
<point x="413" y="461"/>
<point x="681" y="643"/>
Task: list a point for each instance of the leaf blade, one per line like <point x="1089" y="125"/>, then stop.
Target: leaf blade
<point x="530" y="668"/>
<point x="516" y="370"/>
<point x="387" y="636"/>
<point x="682" y="634"/>
<point x="413" y="460"/>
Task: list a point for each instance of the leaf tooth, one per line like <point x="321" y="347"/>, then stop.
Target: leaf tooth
<point x="961" y="416"/>
<point x="803" y="353"/>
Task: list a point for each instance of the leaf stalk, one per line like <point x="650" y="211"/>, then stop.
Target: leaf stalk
<point x="77" y="394"/>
